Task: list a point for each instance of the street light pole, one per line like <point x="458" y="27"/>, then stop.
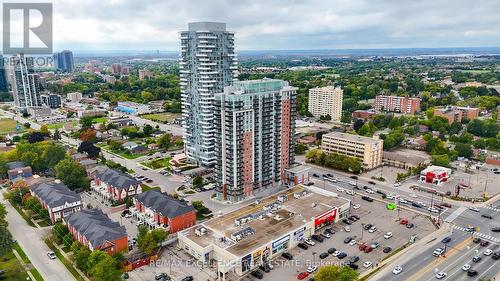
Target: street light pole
<point x="362" y="230"/>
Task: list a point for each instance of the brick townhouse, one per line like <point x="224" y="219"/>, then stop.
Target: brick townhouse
<point x="112" y="184"/>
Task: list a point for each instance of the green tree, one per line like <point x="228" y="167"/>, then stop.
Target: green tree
<point x="463" y="150"/>
<point x="336" y="273"/>
<point x="197" y="181"/>
<point x="106" y="269"/>
<point x="300" y="148"/>
<point x="147" y="130"/>
<point x="81" y="255"/>
<point x="86" y="122"/>
<point x="441" y="160"/>
<point x="72" y="174"/>
<point x="5" y="240"/>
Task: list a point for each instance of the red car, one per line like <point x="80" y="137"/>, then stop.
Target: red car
<point x="404" y="221"/>
<point x="302" y="275"/>
<point x="362" y="247"/>
<point x="368" y="249"/>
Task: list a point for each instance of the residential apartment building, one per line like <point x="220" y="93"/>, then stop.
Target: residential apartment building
<point x="405" y="105"/>
<point x="74" y="97"/>
<point x="51" y="100"/>
<point x="255" y="121"/>
<point x="363" y="114"/>
<point x="326" y="101"/>
<point x="114" y="185"/>
<point x="63" y="61"/>
<point x="368" y="150"/>
<point x="457" y="113"/>
<point x="207" y="64"/>
<point x="145" y="74"/>
<point x="24" y="82"/>
<point x="95" y="230"/>
<point x="159" y="210"/>
<point x="56" y="198"/>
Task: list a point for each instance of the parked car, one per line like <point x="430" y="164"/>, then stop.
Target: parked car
<point x="487" y="216"/>
<point x="257" y="274"/>
<point x="362" y="246"/>
<point x="374" y="245"/>
<point x="330" y="230"/>
<point x="367" y="226"/>
<point x="341" y="255"/>
<point x="332" y="250"/>
<point x="326" y="235"/>
<point x="347" y="239"/>
<point x="346" y="221"/>
<point x="302" y="275"/>
<point x="51" y="255"/>
<point x="312" y="269"/>
<point x="347" y="228"/>
<point x="287" y="256"/>
<point x="309" y="242"/>
<point x="303" y="246"/>
<point x="371" y="182"/>
<point x="264" y="268"/>
<point x="387" y="249"/>
<point x="372" y="229"/>
<point x="356" y="206"/>
<point x="187" y="278"/>
<point x="495" y="229"/>
<point x="367" y="264"/>
<point x="323" y="255"/>
<point x="410" y="225"/>
<point x="366" y="198"/>
<point x="318" y="238"/>
<point x="162" y="275"/>
<point x="352" y="242"/>
<point x="368" y="249"/>
<point x="352" y="265"/>
<point x="354" y="259"/>
<point x="388" y="235"/>
<point x="403" y="221"/>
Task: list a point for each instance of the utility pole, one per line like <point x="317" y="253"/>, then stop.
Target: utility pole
<point x="485" y="185"/>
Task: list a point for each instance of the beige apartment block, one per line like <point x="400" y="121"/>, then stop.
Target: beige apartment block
<point x="369" y="150"/>
<point x="326" y="101"/>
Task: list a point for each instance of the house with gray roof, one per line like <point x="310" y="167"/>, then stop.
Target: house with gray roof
<point x="95" y="230"/>
<point x="158" y="210"/>
<point x="113" y="184"/>
<point x="18" y="170"/>
<point x="56" y="198"/>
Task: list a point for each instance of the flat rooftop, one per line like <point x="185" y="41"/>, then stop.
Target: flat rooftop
<point x="292" y="214"/>
<point x="350" y="137"/>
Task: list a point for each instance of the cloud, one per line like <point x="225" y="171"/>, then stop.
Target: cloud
<point x="278" y="24"/>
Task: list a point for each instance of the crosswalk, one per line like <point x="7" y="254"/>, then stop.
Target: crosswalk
<point x="455" y="214"/>
<point x="478" y="234"/>
<point x="492" y="208"/>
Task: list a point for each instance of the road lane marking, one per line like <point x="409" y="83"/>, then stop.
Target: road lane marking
<point x="439" y="260"/>
<point x="479" y="277"/>
<point x="455" y="214"/>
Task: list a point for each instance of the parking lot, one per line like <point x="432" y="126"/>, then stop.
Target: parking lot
<point x="370" y="213"/>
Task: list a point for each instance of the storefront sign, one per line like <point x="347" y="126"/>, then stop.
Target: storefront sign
<point x="328" y="216"/>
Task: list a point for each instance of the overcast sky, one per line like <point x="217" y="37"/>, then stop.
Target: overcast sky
<point x="279" y="24"/>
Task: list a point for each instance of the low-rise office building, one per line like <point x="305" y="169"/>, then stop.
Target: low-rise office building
<point x="56" y="198"/>
<point x="368" y="150"/>
<point x="405" y="161"/>
<point x="95" y="230"/>
<point x="132" y="108"/>
<point x="246" y="238"/>
<point x="158" y="210"/>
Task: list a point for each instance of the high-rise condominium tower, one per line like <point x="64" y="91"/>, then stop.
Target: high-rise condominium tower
<point x="326" y="101"/>
<point x="207" y="64"/>
<point x="24" y="82"/>
<point x="63" y="61"/>
<point x="254" y="144"/>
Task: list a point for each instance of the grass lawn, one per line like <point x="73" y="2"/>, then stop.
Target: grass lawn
<point x="59" y="125"/>
<point x="99" y="119"/>
<point x="146" y="187"/>
<point x="9" y="125"/>
<point x="26" y="260"/>
<point x="163" y="117"/>
<point x="157" y="163"/>
<point x="14" y="270"/>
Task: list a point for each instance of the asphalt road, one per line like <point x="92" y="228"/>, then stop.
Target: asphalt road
<point x="422" y="265"/>
<point x="30" y="239"/>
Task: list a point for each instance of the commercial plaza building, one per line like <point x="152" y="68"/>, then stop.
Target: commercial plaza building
<point x="241" y="240"/>
<point x="24" y="82"/>
<point x="326" y="101"/>
<point x="254" y="144"/>
<point x="368" y="150"/>
<point x="207" y="64"/>
<point x="404" y="104"/>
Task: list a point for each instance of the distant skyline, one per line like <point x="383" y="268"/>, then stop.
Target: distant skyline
<point x="279" y="25"/>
